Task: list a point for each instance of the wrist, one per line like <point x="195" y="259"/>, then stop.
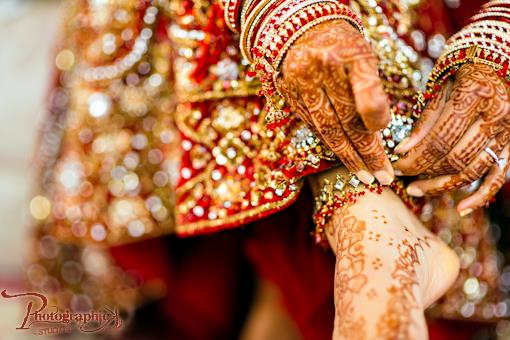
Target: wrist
<point x="484" y="40"/>
<point x="268" y="31"/>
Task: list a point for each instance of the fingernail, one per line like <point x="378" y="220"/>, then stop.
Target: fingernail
<point x="383" y="177"/>
<point x="398" y="172"/>
<point x="365" y="176"/>
<point x="465" y="212"/>
<point x="401" y="145"/>
<point x="414" y="191"/>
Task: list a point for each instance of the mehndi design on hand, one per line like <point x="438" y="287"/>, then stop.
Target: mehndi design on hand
<point x="330" y="79"/>
<point x="463" y="119"/>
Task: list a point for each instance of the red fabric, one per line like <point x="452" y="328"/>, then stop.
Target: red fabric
<point x="451" y="330"/>
<point x="206" y="289"/>
<point x="458" y="16"/>
<point x="146" y="260"/>
<point x="283" y="252"/>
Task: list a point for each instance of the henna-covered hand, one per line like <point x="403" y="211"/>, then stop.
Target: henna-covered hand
<point x="450" y="141"/>
<point x="330" y="79"/>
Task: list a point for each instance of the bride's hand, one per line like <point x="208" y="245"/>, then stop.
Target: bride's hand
<point x="462" y="136"/>
<point x="330" y="79"/>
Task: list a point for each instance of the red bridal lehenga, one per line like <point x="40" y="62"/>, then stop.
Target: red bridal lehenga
<point x="155" y="141"/>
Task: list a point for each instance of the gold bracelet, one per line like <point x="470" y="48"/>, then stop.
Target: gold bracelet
<point x="482" y="42"/>
<point x="306" y="27"/>
<point x="306" y="4"/>
<point x="225" y="14"/>
<point x="489" y="15"/>
<point x="474" y="34"/>
<point x="244" y="9"/>
<point x="284" y="17"/>
<point x="496" y="3"/>
<point x="494" y="24"/>
<point x="254" y="16"/>
<point x="498" y="9"/>
<point x="464" y="46"/>
<point x="269" y="17"/>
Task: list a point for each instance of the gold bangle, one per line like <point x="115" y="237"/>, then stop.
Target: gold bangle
<point x="478" y="49"/>
<point x="244" y="9"/>
<point x="482" y="42"/>
<point x="475" y="32"/>
<point x="488" y="15"/>
<point x="255" y="15"/>
<point x="293" y="11"/>
<point x="496" y="3"/>
<point x="305" y="28"/>
<point x="499" y="25"/>
<point x="470" y="44"/>
<point x="496" y="9"/>
<point x="225" y="15"/>
<point x="486" y="31"/>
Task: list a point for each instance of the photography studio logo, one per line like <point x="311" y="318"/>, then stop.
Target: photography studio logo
<point x="41" y="319"/>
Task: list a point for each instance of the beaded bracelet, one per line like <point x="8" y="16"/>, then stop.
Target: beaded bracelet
<point x="342" y="193"/>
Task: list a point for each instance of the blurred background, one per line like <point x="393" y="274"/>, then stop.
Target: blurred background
<point x="27" y="34"/>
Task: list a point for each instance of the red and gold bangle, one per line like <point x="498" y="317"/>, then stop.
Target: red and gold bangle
<point x="283" y="31"/>
<point x="483" y="15"/>
<point x="481" y="42"/>
<point x="490" y="42"/>
<point x="449" y="63"/>
<point x="231" y="14"/>
<point x="244" y="10"/>
<point x="253" y="16"/>
<point x="275" y="18"/>
<point x="284" y="12"/>
<point x="276" y="11"/>
<point x="496" y="3"/>
<point x="340" y="16"/>
<point x="495" y="10"/>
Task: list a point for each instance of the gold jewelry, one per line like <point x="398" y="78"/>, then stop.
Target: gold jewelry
<point x="253" y="17"/>
<point x="490" y="15"/>
<point x="496" y="3"/>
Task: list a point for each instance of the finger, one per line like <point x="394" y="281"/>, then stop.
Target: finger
<point x="427" y="120"/>
<point x="327" y="124"/>
<point x="494" y="114"/>
<point x="463" y="153"/>
<point x="460" y="112"/>
<point x="490" y="186"/>
<point x="367" y="143"/>
<point x="474" y="171"/>
<point x="371" y="101"/>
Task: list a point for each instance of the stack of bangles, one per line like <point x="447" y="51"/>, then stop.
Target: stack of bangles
<point x="484" y="40"/>
<point x="268" y="29"/>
